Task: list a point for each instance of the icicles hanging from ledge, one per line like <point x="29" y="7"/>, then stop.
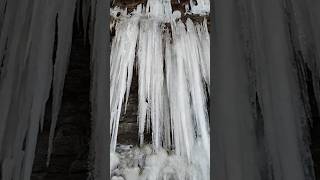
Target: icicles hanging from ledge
<point x="26" y="48"/>
<point x="151" y="80"/>
<point x="121" y="68"/>
<point x="188" y="50"/>
<point x="173" y="65"/>
<point x="65" y="26"/>
<point x="264" y="89"/>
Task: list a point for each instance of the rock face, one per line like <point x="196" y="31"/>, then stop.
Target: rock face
<point x="315" y="146"/>
<point x="69" y="159"/>
<point x="128" y="126"/>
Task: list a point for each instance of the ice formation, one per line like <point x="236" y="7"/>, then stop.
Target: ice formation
<point x="121" y="68"/>
<point x="265" y="91"/>
<point x="26" y="43"/>
<point x="265" y="83"/>
<point x="35" y="43"/>
<point x="173" y="65"/>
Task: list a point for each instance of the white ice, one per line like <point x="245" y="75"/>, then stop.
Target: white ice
<point x="173" y="69"/>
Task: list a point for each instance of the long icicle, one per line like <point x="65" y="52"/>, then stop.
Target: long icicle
<point x="25" y="80"/>
<point x="121" y="71"/>
<point x="65" y="27"/>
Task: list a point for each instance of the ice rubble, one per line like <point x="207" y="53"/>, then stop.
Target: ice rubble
<point x="142" y="164"/>
<point x="173" y="69"/>
<point x="266" y="88"/>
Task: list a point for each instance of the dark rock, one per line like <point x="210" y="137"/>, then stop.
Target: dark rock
<point x="79" y="166"/>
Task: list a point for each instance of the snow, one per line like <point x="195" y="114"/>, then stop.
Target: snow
<point x="259" y="108"/>
<point x="160" y="165"/>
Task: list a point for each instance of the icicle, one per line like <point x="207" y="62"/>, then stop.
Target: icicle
<point x="35" y="67"/>
<point x="193" y="67"/>
<point x="173" y="75"/>
<point x="204" y="48"/>
<point x="25" y="81"/>
<point x="65" y="26"/>
<point x="279" y="145"/>
<point x="279" y="95"/>
<point x="121" y="62"/>
<point x="151" y="87"/>
<point x="159" y="9"/>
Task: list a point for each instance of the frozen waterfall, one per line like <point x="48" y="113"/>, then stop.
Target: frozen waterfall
<point x="264" y="78"/>
<point x="172" y="58"/>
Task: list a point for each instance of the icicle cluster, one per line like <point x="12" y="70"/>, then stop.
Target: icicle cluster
<point x="31" y="64"/>
<point x="266" y="81"/>
<point x="173" y="69"/>
<point x="26" y="73"/>
<point x="121" y="68"/>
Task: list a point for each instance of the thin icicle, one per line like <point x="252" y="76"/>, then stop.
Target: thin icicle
<point x="151" y="87"/>
<point x="65" y="26"/>
<point x="121" y="61"/>
<point x="193" y="65"/>
<point x="173" y="75"/>
<point x="204" y="48"/>
<point x="25" y="81"/>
